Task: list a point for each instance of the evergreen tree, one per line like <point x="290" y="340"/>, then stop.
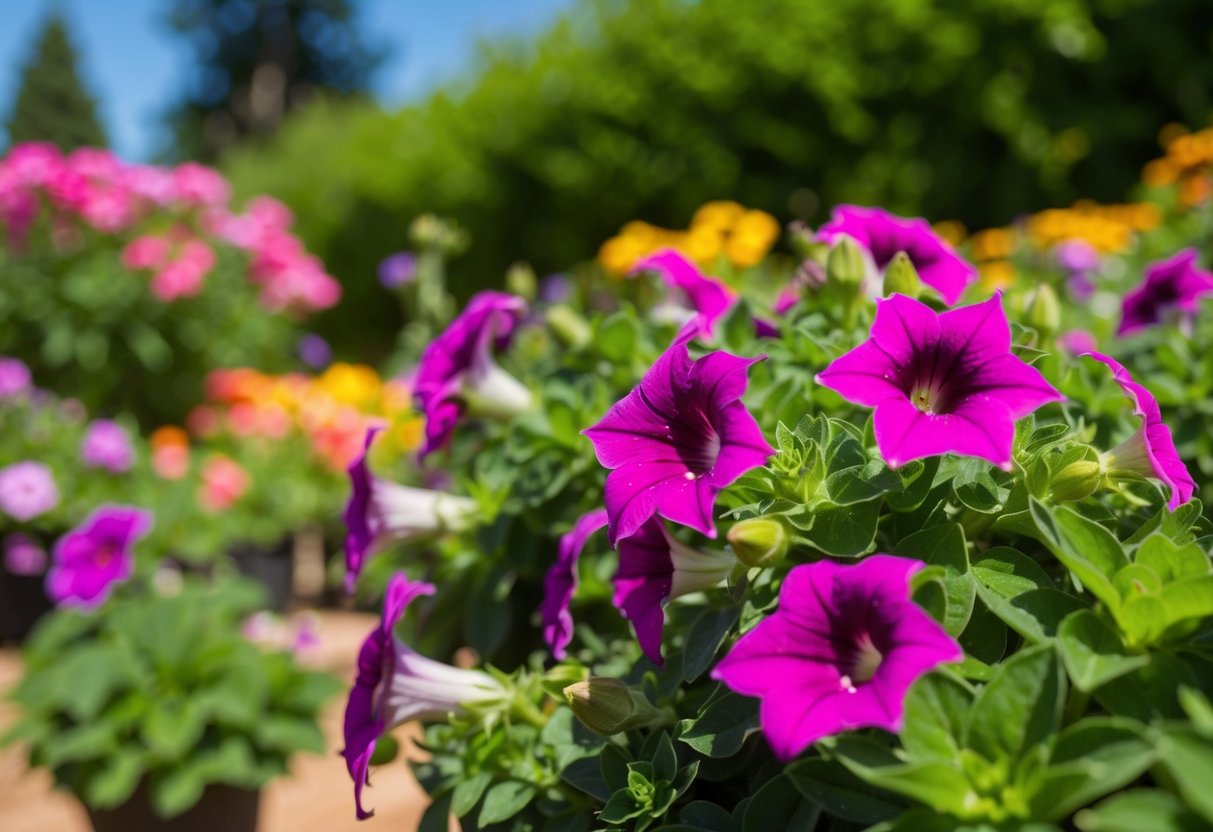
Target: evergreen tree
<point x="256" y="60"/>
<point x="53" y="103"/>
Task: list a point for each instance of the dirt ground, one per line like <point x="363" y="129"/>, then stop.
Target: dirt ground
<point x="317" y="797"/>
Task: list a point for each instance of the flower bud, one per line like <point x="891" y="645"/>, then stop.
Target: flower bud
<point x="801" y="239"/>
<point x="1076" y="481"/>
<point x="759" y="541"/>
<point x="563" y="675"/>
<point x="607" y="706"/>
<point x="520" y="280"/>
<point x="845" y="263"/>
<point x="901" y="278"/>
<point x="569" y="326"/>
<point x="1044" y="311"/>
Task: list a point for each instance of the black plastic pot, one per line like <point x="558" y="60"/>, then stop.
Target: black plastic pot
<point x="220" y="808"/>
<point x="271" y="566"/>
<point x="22" y="602"/>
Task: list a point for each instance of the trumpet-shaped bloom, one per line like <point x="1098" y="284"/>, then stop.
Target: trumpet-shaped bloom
<point x="883" y="235"/>
<point x="457" y="372"/>
<point x="710" y="298"/>
<point x="840" y="652"/>
<point x="395" y="684"/>
<point x="940" y="382"/>
<point x="380" y="511"/>
<point x="1174" y="284"/>
<point x="678" y="439"/>
<point x="90" y="559"/>
<point x="107" y="445"/>
<point x="655" y="568"/>
<point x="1150" y="451"/>
<point x="561" y="582"/>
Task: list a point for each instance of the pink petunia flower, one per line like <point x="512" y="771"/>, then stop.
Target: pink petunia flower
<point x="883" y="235"/>
<point x="940" y="382"/>
<point x="15" y="378"/>
<point x="27" y="489"/>
<point x="1174" y="284"/>
<point x="1150" y="451"/>
<point x="23" y="555"/>
<point x="840" y="653"/>
<point x="677" y="440"/>
<point x="560" y="582"/>
<point x="89" y="560"/>
<point x="710" y="299"/>
<point x="107" y="445"/>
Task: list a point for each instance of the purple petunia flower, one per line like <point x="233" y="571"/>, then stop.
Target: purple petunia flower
<point x="883" y="235"/>
<point x="314" y="351"/>
<point x="677" y="440"/>
<point x="1174" y="284"/>
<point x="23" y="555"/>
<point x="397" y="269"/>
<point x="380" y="511"/>
<point x="27" y="489"/>
<point x="655" y="568"/>
<point x="561" y="582"/>
<point x="1150" y="451"/>
<point x="457" y="372"/>
<point x="940" y="382"/>
<point x="710" y="298"/>
<point x="15" y="378"/>
<point x="842" y="650"/>
<point x="395" y="685"/>
<point x="107" y="445"/>
<point x="1076" y="256"/>
<point x="91" y="558"/>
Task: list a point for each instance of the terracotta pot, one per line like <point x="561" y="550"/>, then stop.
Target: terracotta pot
<point x="221" y="808"/>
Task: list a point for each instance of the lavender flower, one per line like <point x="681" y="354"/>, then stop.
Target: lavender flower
<point x="395" y="685"/>
<point x="940" y="382"/>
<point x="23" y="555"/>
<point x="1150" y="451"/>
<point x="561" y="582"/>
<point x="883" y="235"/>
<point x="107" y="445"/>
<point x="1172" y="285"/>
<point x="15" y="378"/>
<point x="398" y="269"/>
<point x="27" y="489"/>
<point x="710" y="299"/>
<point x="379" y="511"/>
<point x="89" y="560"/>
<point x="457" y="373"/>
<point x="840" y="653"/>
<point x="677" y="440"/>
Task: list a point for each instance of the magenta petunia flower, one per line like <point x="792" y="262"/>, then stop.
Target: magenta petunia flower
<point x="561" y="582"/>
<point x="457" y="373"/>
<point x="380" y="511"/>
<point x="27" y="489"/>
<point x="940" y="382"/>
<point x="1174" y="284"/>
<point x="396" y="685"/>
<point x="842" y="650"/>
<point x="710" y="298"/>
<point x="1150" y="451"/>
<point x="654" y="568"/>
<point x="677" y="440"/>
<point x="1077" y="341"/>
<point x="883" y="235"/>
<point x="90" y="559"/>
<point x="107" y="445"/>
<point x="15" y="378"/>
<point x="23" y="555"/>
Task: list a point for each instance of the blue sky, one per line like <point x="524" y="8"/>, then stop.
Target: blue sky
<point x="135" y="66"/>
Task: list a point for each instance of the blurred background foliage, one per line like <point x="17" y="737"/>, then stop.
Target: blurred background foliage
<point x="630" y="109"/>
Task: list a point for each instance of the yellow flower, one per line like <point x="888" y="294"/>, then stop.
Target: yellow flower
<point x="409" y="433"/>
<point x="619" y="253"/>
<point x="752" y="236"/>
<point x="997" y="274"/>
<point x="702" y="243"/>
<point x="354" y="384"/>
<point x="953" y="231"/>
<point x="992" y="244"/>
<point x="721" y="215"/>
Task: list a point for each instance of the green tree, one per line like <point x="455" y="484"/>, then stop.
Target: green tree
<point x="53" y="104"/>
<point x="256" y="60"/>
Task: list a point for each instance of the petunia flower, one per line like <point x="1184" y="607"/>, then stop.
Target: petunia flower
<point x="27" y="489"/>
<point x="380" y="511"/>
<point x="561" y="581"/>
<point x="457" y="373"/>
<point x="23" y="555"/>
<point x="841" y="651"/>
<point x="677" y="440"/>
<point x="655" y="568"/>
<point x="15" y="378"/>
<point x="940" y="382"/>
<point x="107" y="445"/>
<point x="1174" y="284"/>
<point x="883" y="235"/>
<point x="710" y="298"/>
<point x="89" y="560"/>
<point x="396" y="685"/>
<point x="1150" y="451"/>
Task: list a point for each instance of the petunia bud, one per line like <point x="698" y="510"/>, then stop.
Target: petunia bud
<point x="901" y="277"/>
<point x="759" y="541"/>
<point x="569" y="326"/>
<point x="520" y="280"/>
<point x="1076" y="481"/>
<point x="845" y="264"/>
<point x="801" y="239"/>
<point x="1044" y="311"/>
<point x="607" y="706"/>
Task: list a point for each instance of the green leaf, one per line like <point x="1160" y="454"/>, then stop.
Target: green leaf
<point x="620" y="808"/>
<point x="845" y="531"/>
<point x="1170" y="560"/>
<point x="504" y="800"/>
<point x="1188" y="598"/>
<point x="1019" y="707"/>
<point x="468" y="791"/>
<point x="839" y="792"/>
<point x="939" y="785"/>
<point x="173" y="727"/>
<point x="84" y="742"/>
<point x="1189" y="759"/>
<point x="116" y="780"/>
<point x="777" y="805"/>
<point x="1035" y="614"/>
<point x="722" y="726"/>
<point x="702" y="814"/>
<point x="1086" y="548"/>
<point x="1010" y="572"/>
<point x="1141" y="810"/>
<point x="585" y="774"/>
<point x="88" y="677"/>
<point x="936" y="709"/>
<point x="707" y="634"/>
<point x="289" y="734"/>
<point x="1093" y="651"/>
<point x="437" y="816"/>
<point x="175" y="790"/>
<point x="1091" y="758"/>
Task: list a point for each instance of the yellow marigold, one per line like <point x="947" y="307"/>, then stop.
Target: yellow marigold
<point x="354" y="384"/>
<point x="702" y="243"/>
<point x="643" y="233"/>
<point x="618" y="254"/>
<point x="992" y="244"/>
<point x="1146" y="216"/>
<point x="953" y="231"/>
<point x="409" y="433"/>
<point x="1194" y="188"/>
<point x="720" y="214"/>
<point x="743" y="253"/>
<point x="996" y="274"/>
